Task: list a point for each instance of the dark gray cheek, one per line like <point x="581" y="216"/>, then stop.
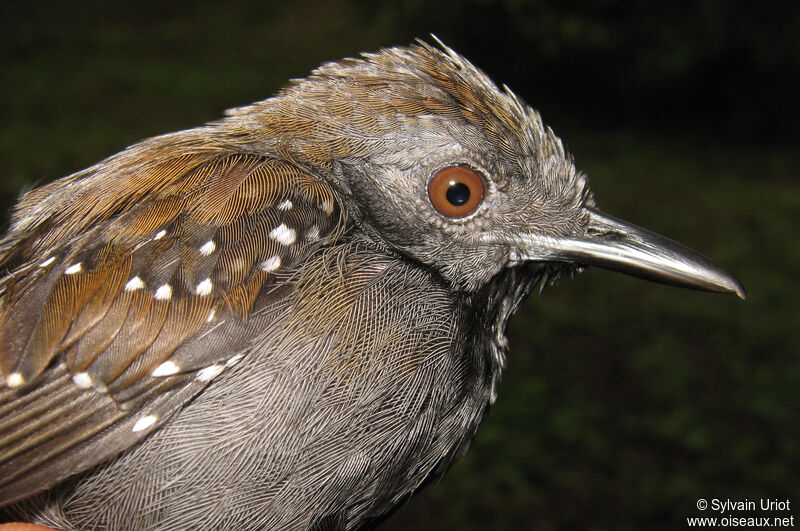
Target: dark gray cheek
<point x="391" y="212"/>
<point x="467" y="269"/>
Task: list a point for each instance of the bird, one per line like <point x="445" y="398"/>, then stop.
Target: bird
<point x="292" y="317"/>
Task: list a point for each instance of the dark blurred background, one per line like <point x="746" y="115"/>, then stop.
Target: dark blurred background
<point x="624" y="402"/>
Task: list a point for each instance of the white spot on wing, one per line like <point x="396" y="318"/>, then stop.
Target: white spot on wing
<point x="234" y="360"/>
<point x="144" y="423"/>
<point x="160" y="234"/>
<point x="82" y="380"/>
<point x="207" y="248"/>
<point x="47" y="262"/>
<point x="286" y="205"/>
<point x="163" y="293"/>
<point x="327" y="206"/>
<point x="15" y="379"/>
<point x="283" y="234"/>
<point x="167" y="368"/>
<point x="210" y="372"/>
<point x="134" y="284"/>
<point x="74" y="268"/>
<point x="312" y="234"/>
<point x="211" y="315"/>
<point x="204" y="288"/>
<point x="271" y="264"/>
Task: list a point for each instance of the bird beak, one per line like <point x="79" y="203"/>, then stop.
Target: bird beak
<point x="619" y="246"/>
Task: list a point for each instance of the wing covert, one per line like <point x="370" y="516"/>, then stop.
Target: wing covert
<point x="100" y="296"/>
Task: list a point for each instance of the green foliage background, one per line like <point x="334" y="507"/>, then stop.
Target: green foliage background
<point x="623" y="402"/>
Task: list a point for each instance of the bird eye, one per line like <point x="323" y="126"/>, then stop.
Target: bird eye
<point x="456" y="191"/>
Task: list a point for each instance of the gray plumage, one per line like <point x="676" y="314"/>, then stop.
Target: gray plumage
<point x="267" y="322"/>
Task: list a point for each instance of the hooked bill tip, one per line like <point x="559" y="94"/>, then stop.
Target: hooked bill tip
<point x="734" y="286"/>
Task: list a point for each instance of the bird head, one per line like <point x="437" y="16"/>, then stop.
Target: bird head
<point x="433" y="161"/>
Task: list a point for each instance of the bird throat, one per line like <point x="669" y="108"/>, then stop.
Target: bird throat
<point x="495" y="303"/>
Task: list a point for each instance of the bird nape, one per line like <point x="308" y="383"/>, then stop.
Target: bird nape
<point x="294" y="316"/>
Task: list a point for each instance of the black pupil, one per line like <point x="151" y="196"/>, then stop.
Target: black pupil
<point x="457" y="193"/>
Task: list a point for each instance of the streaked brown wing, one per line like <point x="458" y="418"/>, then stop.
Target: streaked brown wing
<point x="103" y="289"/>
